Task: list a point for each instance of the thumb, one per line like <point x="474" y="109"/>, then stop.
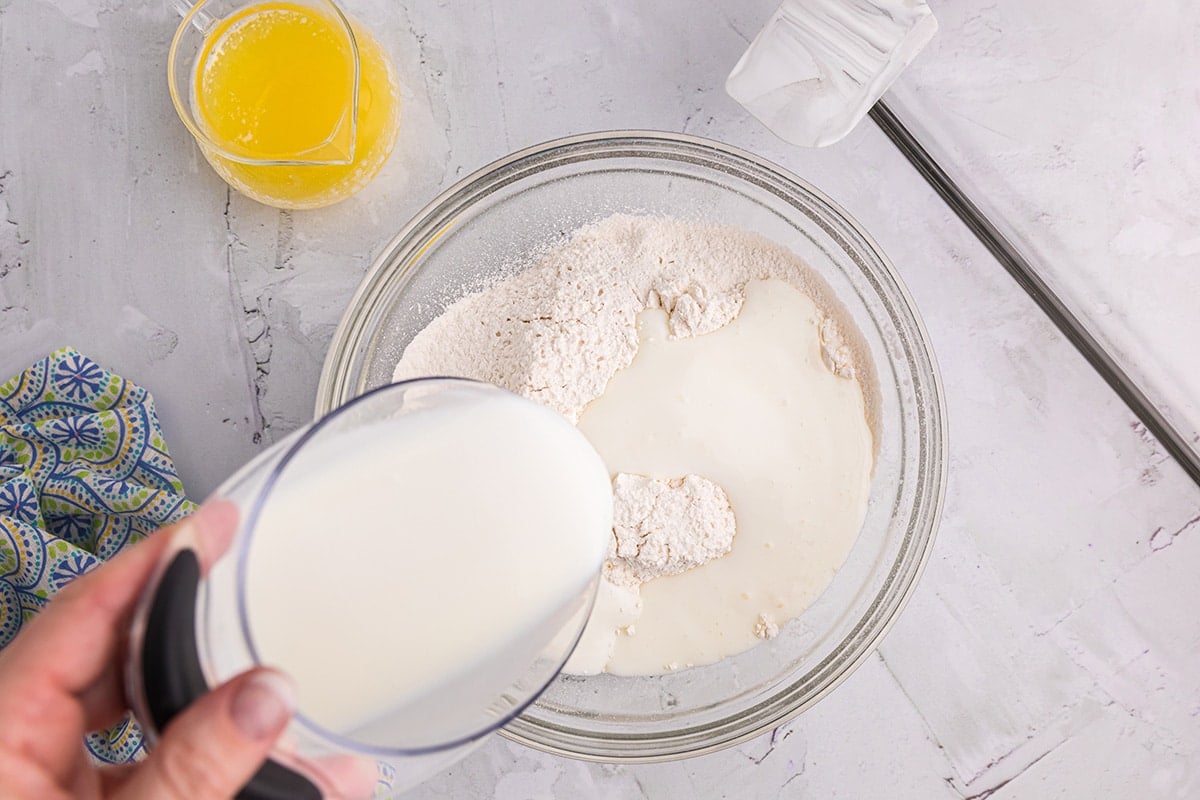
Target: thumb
<point x="217" y="743"/>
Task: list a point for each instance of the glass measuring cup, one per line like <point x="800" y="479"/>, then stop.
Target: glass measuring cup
<point x="193" y="631"/>
<point x="293" y="103"/>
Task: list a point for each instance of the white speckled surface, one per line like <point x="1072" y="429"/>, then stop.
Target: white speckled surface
<point x="1052" y="649"/>
<point x="1078" y="132"/>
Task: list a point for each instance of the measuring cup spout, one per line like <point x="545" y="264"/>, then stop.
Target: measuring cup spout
<point x="205" y="21"/>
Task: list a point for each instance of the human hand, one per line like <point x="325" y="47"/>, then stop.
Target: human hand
<point x="62" y="676"/>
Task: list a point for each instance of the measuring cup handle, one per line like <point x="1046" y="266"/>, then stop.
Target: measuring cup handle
<point x="199" y="17"/>
<point x="174" y="678"/>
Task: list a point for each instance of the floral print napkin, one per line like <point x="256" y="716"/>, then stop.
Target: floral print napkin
<point x="84" y="472"/>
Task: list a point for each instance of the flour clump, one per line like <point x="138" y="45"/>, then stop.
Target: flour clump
<point x="666" y="527"/>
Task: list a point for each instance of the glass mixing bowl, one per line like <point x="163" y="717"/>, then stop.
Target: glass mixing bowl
<point x="495" y="222"/>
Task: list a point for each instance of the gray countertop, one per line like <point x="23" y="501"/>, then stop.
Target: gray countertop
<point x="1052" y="647"/>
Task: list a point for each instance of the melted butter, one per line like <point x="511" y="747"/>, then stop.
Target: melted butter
<point x="753" y="408"/>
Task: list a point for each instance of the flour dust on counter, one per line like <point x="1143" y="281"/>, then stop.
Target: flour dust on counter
<point x="730" y="398"/>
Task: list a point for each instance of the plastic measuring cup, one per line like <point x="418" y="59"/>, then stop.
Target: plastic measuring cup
<point x="293" y="103"/>
<point x="194" y="631"/>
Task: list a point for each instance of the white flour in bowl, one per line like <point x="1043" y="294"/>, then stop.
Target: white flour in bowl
<point x="741" y="452"/>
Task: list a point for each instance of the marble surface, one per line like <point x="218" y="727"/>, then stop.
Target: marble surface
<point x="1052" y="648"/>
<point x="1078" y="132"/>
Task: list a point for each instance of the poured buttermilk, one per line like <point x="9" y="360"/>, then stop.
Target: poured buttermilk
<point x="752" y="407"/>
<point x="422" y="562"/>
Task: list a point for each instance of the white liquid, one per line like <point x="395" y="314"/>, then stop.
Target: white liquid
<point x="406" y="573"/>
<point x="753" y="408"/>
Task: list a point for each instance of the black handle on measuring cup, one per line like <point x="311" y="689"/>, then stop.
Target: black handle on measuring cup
<point x="173" y="679"/>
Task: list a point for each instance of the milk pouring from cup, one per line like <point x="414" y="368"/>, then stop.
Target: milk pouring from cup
<point x="421" y="563"/>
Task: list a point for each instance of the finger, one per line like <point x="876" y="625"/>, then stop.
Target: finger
<point x="114" y="776"/>
<point x="72" y="647"/>
<point x="340" y="777"/>
<point x="215" y="745"/>
<point x="348" y="777"/>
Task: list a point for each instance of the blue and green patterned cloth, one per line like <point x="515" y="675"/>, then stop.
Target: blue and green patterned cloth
<point x="84" y="471"/>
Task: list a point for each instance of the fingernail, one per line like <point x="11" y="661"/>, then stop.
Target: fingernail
<point x="366" y="779"/>
<point x="263" y="704"/>
<point x="349" y="777"/>
<point x="213" y="526"/>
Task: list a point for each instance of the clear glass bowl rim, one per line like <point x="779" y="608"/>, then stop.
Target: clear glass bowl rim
<point x="343" y="366"/>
